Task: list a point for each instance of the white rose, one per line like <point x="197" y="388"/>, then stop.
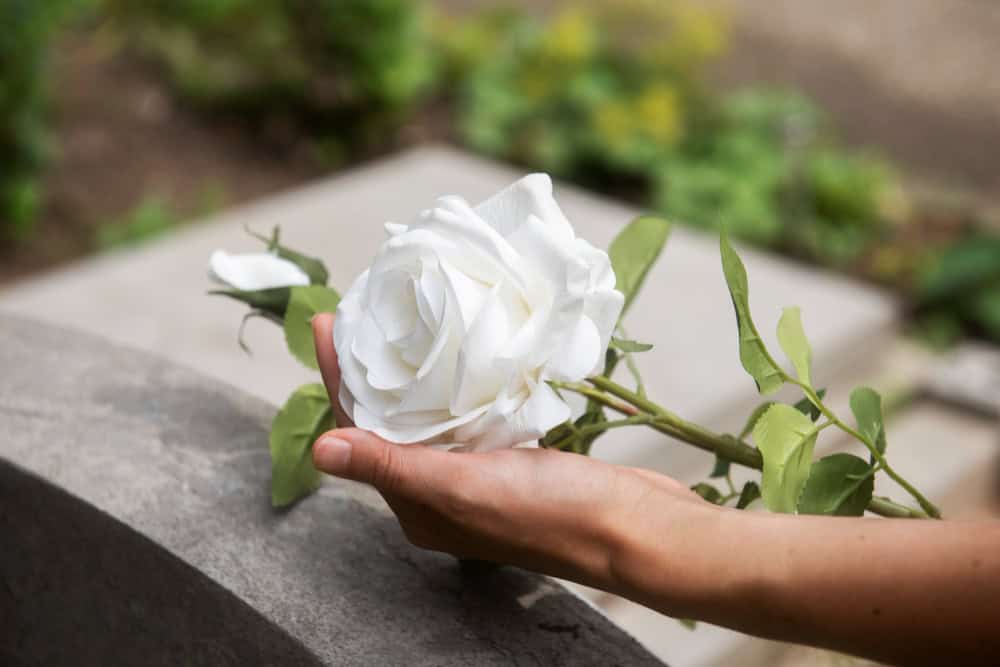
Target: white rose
<point x="452" y="333"/>
<point x="254" y="271"/>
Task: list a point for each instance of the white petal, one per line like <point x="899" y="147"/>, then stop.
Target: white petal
<point x="393" y="304"/>
<point x="354" y="379"/>
<point x="532" y="195"/>
<point x="602" y="277"/>
<point x="431" y="296"/>
<point x="255" y="271"/>
<point x="394" y="228"/>
<point x="544" y="410"/>
<point x="549" y="258"/>
<point x="506" y="425"/>
<point x="579" y="353"/>
<point x="476" y="247"/>
<point x="436" y="430"/>
<point x="467" y="294"/>
<point x="604" y="308"/>
<point x="480" y="375"/>
<point x="386" y="369"/>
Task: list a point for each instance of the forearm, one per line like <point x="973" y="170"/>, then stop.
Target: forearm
<point x="902" y="591"/>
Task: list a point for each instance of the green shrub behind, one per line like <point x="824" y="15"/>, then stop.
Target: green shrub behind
<point x="604" y="89"/>
<point x="349" y="69"/>
<point x="26" y="28"/>
<point x="612" y="95"/>
<point x="767" y="167"/>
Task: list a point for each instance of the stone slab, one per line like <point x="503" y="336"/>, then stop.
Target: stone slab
<point x="969" y="377"/>
<point x="136" y="529"/>
<point x="153" y="297"/>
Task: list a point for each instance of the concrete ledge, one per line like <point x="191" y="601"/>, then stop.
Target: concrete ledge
<point x="161" y="546"/>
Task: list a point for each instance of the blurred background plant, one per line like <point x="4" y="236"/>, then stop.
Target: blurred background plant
<point x="155" y="99"/>
<point x="349" y="71"/>
<point x="596" y="91"/>
<point x="26" y="31"/>
<point x="613" y="95"/>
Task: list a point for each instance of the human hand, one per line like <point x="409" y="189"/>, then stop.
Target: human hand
<point x="553" y="512"/>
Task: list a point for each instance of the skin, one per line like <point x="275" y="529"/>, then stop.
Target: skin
<point x="895" y="590"/>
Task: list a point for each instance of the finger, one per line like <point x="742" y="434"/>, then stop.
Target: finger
<point x="329" y="366"/>
<point x="396" y="470"/>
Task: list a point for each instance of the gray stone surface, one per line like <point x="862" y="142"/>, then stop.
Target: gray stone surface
<point x="135" y="528"/>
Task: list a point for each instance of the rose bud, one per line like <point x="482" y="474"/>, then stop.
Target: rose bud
<point x="254" y="271"/>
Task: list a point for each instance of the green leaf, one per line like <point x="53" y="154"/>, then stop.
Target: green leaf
<point x="866" y="404"/>
<point x="721" y="467"/>
<point x="786" y="439"/>
<point x="793" y="341"/>
<point x="754" y="417"/>
<point x="750" y="493"/>
<point x="557" y="434"/>
<point x="630" y="346"/>
<point x="806" y="407"/>
<point x="306" y="302"/>
<point x="753" y="354"/>
<point x="274" y="300"/>
<point x="565" y="436"/>
<point x="312" y="267"/>
<point x="708" y="492"/>
<point x="634" y="251"/>
<point x="303" y="418"/>
<point x="839" y="484"/>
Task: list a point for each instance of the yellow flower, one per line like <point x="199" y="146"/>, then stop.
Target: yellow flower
<point x="571" y="36"/>
<point x="658" y="114"/>
<point x="613" y="123"/>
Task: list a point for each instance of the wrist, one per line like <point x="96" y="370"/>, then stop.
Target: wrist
<point x="689" y="559"/>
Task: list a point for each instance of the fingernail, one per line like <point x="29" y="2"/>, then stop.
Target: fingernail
<point x="332" y="455"/>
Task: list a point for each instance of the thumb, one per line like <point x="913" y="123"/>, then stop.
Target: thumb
<point x="362" y="456"/>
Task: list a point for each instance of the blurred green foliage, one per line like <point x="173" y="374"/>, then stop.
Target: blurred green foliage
<point x="612" y="95"/>
<point x="767" y="167"/>
<point x="349" y="70"/>
<point x="609" y="87"/>
<point x="150" y="218"/>
<point x="959" y="288"/>
<point x="26" y="29"/>
<point x="153" y="216"/>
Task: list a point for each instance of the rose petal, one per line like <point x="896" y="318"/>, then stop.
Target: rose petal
<point x="531" y="196"/>
<point x="580" y="352"/>
<point x="386" y="369"/>
<point x="434" y="430"/>
<point x="255" y="271"/>
<point x="506" y="425"/>
<point x="480" y="375"/>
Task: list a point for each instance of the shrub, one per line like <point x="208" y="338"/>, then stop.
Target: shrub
<point x="959" y="287"/>
<point x="606" y="89"/>
<point x="26" y="28"/>
<point x="767" y="167"/>
<point x="349" y="69"/>
<point x="613" y="97"/>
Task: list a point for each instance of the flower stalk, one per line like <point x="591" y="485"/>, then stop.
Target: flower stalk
<point x="641" y="411"/>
